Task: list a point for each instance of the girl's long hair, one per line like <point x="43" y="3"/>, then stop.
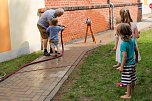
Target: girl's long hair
<point x="125" y="16"/>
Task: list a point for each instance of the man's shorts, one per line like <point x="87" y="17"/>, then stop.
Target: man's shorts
<point x="43" y="32"/>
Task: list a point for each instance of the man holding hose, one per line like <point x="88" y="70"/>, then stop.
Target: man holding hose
<point x="43" y="24"/>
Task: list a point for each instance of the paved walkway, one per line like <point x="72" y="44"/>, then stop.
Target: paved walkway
<point x="40" y="82"/>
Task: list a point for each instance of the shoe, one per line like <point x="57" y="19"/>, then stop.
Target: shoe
<point x="119" y="84"/>
<point x="46" y="53"/>
<point x="56" y="51"/>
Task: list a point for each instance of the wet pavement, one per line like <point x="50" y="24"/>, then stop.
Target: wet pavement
<point x="40" y="82"/>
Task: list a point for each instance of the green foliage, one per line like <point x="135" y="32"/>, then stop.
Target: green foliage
<point x="97" y="81"/>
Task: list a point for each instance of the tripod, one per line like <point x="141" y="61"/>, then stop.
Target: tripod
<point x="93" y="38"/>
<point x="88" y="22"/>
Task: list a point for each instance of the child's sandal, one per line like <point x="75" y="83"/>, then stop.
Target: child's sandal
<point x="119" y="84"/>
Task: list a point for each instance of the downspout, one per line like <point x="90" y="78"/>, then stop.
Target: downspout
<point x="111" y="14"/>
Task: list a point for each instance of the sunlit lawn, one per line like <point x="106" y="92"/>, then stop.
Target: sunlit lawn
<point x="97" y="79"/>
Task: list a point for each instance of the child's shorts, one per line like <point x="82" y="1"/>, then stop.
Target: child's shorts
<point x="128" y="75"/>
<point x="54" y="43"/>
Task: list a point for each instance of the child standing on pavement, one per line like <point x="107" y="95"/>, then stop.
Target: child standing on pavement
<point x="53" y="31"/>
<point x="125" y="18"/>
<point x="127" y="60"/>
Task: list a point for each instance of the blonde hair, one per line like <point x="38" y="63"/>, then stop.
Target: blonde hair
<point x="124" y="30"/>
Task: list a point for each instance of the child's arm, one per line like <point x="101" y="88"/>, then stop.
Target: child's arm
<point x="136" y="32"/>
<point x="123" y="61"/>
<point x="116" y="42"/>
<point x="136" y="54"/>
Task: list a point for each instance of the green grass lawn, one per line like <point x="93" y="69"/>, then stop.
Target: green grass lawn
<point x="96" y="79"/>
<point x="10" y="66"/>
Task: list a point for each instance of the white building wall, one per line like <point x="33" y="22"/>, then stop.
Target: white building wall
<point x="25" y="37"/>
<point x="145" y="6"/>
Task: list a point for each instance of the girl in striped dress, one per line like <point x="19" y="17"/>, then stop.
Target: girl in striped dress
<point x="128" y="62"/>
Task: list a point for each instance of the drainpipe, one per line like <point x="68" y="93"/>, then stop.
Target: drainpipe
<point x="111" y="14"/>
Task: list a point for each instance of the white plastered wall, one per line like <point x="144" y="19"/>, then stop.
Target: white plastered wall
<point x="145" y="7"/>
<point x="25" y="37"/>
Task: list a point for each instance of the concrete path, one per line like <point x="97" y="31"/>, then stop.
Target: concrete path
<point x="40" y="82"/>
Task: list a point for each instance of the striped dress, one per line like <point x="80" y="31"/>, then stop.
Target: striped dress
<point x="128" y="75"/>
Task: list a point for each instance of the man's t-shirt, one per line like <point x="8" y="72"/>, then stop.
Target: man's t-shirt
<point x="46" y="17"/>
